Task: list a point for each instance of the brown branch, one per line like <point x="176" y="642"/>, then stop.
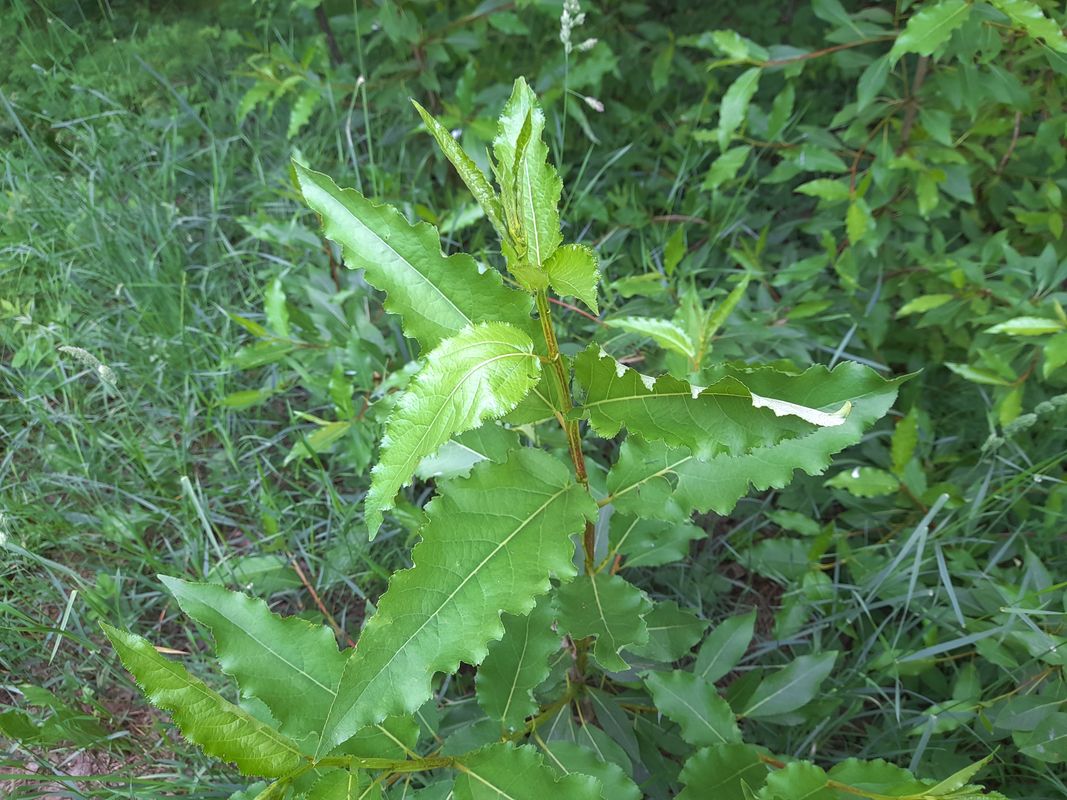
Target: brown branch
<point x="913" y="103"/>
<point x="1011" y="145"/>
<point x="337" y="629"/>
<point x="336" y="57"/>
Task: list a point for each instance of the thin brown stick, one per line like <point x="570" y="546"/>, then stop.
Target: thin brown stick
<point x="1011" y="145"/>
<point x="337" y="629"/>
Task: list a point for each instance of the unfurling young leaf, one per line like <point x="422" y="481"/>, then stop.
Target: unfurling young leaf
<point x="529" y="186"/>
<point x="219" y="727"/>
<point x="469" y="172"/>
<point x="490" y="545"/>
<point x="479" y="374"/>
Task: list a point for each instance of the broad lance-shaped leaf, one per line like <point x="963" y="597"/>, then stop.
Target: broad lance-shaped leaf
<point x="725" y="646"/>
<point x="517" y="664"/>
<point x="479" y="374"/>
<point x="791" y="687"/>
<point x="435" y="296"/>
<point x="608" y="608"/>
<point x="219" y="727"/>
<point x="672" y="632"/>
<point x="653" y="479"/>
<point x="489" y="546"/>
<point x="930" y="28"/>
<point x="507" y="772"/>
<point x="693" y="703"/>
<point x="573" y="270"/>
<point x="727" y="416"/>
<point x="665" y="334"/>
<point x="289" y="664"/>
<point x="530" y="188"/>
<point x="469" y="172"/>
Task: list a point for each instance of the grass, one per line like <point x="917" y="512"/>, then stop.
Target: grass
<point x="135" y="239"/>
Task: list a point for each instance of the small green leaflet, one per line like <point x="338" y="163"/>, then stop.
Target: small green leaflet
<point x="651" y="542"/>
<point x="865" y="482"/>
<point x="289" y="664"/>
<point x="719" y="773"/>
<point x="568" y="757"/>
<point x="724" y="417"/>
<point x="666" y="334"/>
<point x="436" y="297"/>
<point x="725" y="646"/>
<point x="930" y="28"/>
<point x="472" y="176"/>
<point x="1028" y="326"/>
<point x="799" y="780"/>
<point x="516" y="665"/>
<point x="573" y="270"/>
<point x="479" y="374"/>
<point x="792" y="687"/>
<point x="472" y="564"/>
<point x="219" y="727"/>
<point x="506" y="772"/>
<point x="343" y="784"/>
<point x="693" y="703"/>
<point x="734" y="105"/>
<point x="530" y="187"/>
<point x="672" y="632"/>
<point x="608" y="608"/>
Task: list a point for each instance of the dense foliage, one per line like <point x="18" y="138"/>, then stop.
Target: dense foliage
<point x="739" y="578"/>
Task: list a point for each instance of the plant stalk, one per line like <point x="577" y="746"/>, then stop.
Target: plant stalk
<point x="570" y="426"/>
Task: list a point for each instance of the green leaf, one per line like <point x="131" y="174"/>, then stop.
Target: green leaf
<point x="516" y="665"/>
<point x="472" y="176"/>
<point x="479" y="374"/>
<point x="725" y="646"/>
<point x="922" y="303"/>
<point x="506" y="772"/>
<point x="980" y="375"/>
<point x="876" y="777"/>
<point x="724" y="417"/>
<point x="725" y="167"/>
<point x="570" y="757"/>
<point x="666" y="334"/>
<point x="651" y="542"/>
<point x="1029" y="16"/>
<point x="958" y="779"/>
<point x="905" y="440"/>
<point x="693" y="703"/>
<point x="573" y="271"/>
<point x="656" y="480"/>
<point x="799" y="780"/>
<point x="289" y="664"/>
<point x="457" y="456"/>
<point x="825" y="189"/>
<point x="343" y="784"/>
<point x="930" y="28"/>
<point x="865" y="482"/>
<point x="720" y="772"/>
<point x="790" y="688"/>
<point x="473" y="563"/>
<point x="858" y="220"/>
<point x="530" y="187"/>
<point x="436" y="297"/>
<point x="1055" y="354"/>
<point x="609" y="608"/>
<point x="734" y="105"/>
<point x="219" y="727"/>
<point x="871" y="82"/>
<point x="672" y="632"/>
<point x="1027" y="326"/>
